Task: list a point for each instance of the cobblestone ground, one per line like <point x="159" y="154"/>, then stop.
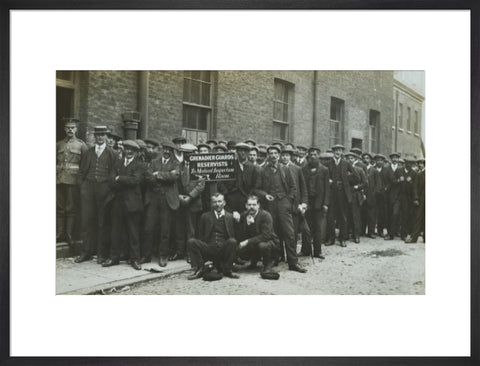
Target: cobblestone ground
<point x="373" y="267"/>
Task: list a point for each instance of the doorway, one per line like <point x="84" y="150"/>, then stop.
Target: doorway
<point x="65" y="104"/>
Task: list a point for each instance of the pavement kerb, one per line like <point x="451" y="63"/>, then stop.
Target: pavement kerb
<point x="105" y="287"/>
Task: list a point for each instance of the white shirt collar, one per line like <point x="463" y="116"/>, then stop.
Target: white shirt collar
<point x="219" y="215"/>
<point x="128" y="161"/>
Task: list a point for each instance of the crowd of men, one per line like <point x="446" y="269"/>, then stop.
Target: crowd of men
<point x="137" y="199"/>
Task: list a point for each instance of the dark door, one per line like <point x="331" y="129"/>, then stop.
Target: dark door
<point x="64" y="108"/>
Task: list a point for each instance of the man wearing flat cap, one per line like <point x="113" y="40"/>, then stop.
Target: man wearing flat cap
<point x="69" y="154"/>
<point x="237" y="191"/>
<point x="394" y="178"/>
<point x="358" y="198"/>
<point x="190" y="189"/>
<point x="276" y="186"/>
<point x="127" y="206"/>
<point x="96" y="170"/>
<point x="377" y="197"/>
<point x="418" y="226"/>
<point x="161" y="203"/>
<point x="342" y="177"/>
<point x="408" y="196"/>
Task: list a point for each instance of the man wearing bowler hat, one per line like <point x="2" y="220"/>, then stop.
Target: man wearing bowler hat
<point x="95" y="176"/>
<point x="69" y="154"/>
<point x="127" y="206"/>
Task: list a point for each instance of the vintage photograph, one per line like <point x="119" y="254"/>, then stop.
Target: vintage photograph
<point x="240" y="182"/>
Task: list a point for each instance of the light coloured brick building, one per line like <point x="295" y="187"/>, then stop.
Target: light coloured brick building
<point x="321" y="108"/>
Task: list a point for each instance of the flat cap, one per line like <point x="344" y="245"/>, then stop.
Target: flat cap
<point x="211" y="142"/>
<point x="367" y="154"/>
<point x="114" y="136"/>
<point x="141" y="144"/>
<point x="274" y="147"/>
<point x="356" y="150"/>
<point x="314" y="148"/>
<point x="302" y="148"/>
<point x="100" y="130"/>
<point x="231" y="144"/>
<point x="222" y="142"/>
<point x="170" y="145"/>
<point x="326" y="155"/>
<point x="179" y="140"/>
<point x="188" y="148"/>
<point x="253" y="142"/>
<point x="254" y="148"/>
<point x="203" y="145"/>
<point x="421" y="160"/>
<point x="338" y="146"/>
<point x="242" y="146"/>
<point x="220" y="147"/>
<point x="152" y="142"/>
<point x="394" y="154"/>
<point x="351" y="154"/>
<point x="132" y="144"/>
<point x="380" y="156"/>
<point x="288" y="149"/>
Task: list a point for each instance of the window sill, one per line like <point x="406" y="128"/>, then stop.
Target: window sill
<point x="409" y="132"/>
<point x="400" y="129"/>
<point x="416" y="134"/>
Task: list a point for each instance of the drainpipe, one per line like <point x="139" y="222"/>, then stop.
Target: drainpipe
<point x="314" y="114"/>
<point x="143" y="81"/>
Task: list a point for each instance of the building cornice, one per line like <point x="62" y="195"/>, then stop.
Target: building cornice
<point x="407" y="90"/>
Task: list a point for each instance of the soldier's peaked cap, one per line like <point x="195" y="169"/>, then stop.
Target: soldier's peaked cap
<point x="72" y="122"/>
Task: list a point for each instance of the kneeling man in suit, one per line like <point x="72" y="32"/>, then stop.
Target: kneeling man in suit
<point x="216" y="240"/>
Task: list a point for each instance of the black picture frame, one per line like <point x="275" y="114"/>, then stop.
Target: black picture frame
<point x="6" y="6"/>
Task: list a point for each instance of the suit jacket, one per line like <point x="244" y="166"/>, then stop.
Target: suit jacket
<point x="393" y="182"/>
<point x="165" y="181"/>
<point x="190" y="187"/>
<point x="264" y="183"/>
<point x="263" y="228"/>
<point x="205" y="231"/>
<point x="318" y="185"/>
<point x="376" y="185"/>
<point x="301" y="196"/>
<point x="409" y="191"/>
<point x="362" y="186"/>
<point x="349" y="177"/>
<point x="127" y="186"/>
<point x="90" y="159"/>
<point x="419" y="187"/>
<point x="244" y="181"/>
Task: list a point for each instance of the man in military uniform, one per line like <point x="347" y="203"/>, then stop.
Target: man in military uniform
<point x="69" y="155"/>
<point x="96" y="169"/>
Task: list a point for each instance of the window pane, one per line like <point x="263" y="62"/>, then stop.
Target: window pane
<point x="203" y="119"/>
<point x="205" y="94"/>
<point x="195" y="92"/>
<point x="285" y="113"/>
<point x="279" y="91"/>
<point x="283" y="132"/>
<point x="277" y="111"/>
<point x="186" y="90"/>
<point x="190" y="117"/>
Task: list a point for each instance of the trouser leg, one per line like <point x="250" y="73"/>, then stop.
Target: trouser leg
<point x="285" y="221"/>
<point x="166" y="218"/>
<point x="132" y="224"/>
<point x="60" y="203"/>
<point x="151" y="225"/>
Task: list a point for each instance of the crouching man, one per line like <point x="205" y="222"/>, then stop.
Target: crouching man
<point x="216" y="241"/>
<point x="258" y="240"/>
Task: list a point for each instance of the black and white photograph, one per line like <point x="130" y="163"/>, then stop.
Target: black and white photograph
<point x="240" y="182"/>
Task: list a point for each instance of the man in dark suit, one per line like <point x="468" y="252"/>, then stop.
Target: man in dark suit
<point x="358" y="198"/>
<point x="237" y="191"/>
<point x="300" y="202"/>
<point x="418" y="226"/>
<point x="95" y="175"/>
<point x="276" y="186"/>
<point x="161" y="202"/>
<point x="409" y="198"/>
<point x="342" y="177"/>
<point x="394" y="179"/>
<point x="258" y="241"/>
<point x="377" y="197"/>
<point x="318" y="188"/>
<point x="216" y="241"/>
<point x="127" y="206"/>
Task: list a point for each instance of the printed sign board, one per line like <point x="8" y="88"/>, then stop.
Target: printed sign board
<point x="215" y="167"/>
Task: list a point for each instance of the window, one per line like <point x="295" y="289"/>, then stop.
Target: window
<point x="409" y="126"/>
<point x="357" y="143"/>
<point x="282" y="110"/>
<point x="337" y="108"/>
<point x="400" y="115"/>
<point x="197" y="108"/>
<point x="374" y="127"/>
<point x="416" y="122"/>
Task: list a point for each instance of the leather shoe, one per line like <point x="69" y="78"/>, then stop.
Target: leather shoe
<point x="145" y="260"/>
<point x="82" y="258"/>
<point x="251" y="267"/>
<point x="136" y="265"/>
<point x="357" y="240"/>
<point x="197" y="274"/>
<point x="109" y="263"/>
<point x="410" y="241"/>
<point x="296" y="268"/>
<point x="229" y="274"/>
<point x="319" y="256"/>
<point x="162" y="262"/>
<point x="101" y="260"/>
<point x="343" y="244"/>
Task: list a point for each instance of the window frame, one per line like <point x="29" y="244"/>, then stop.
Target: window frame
<point x="290" y="88"/>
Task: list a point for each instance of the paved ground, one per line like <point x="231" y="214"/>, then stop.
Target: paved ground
<point x="373" y="267"/>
